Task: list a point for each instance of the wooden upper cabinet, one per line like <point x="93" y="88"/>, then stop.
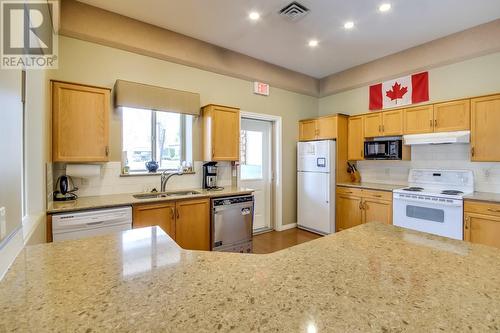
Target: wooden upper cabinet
<point x="323" y="128"/>
<point x="419" y="120"/>
<point x="372" y="125"/>
<point x="221" y="136"/>
<point x="80" y="123"/>
<point x="485" y="129"/>
<point x="452" y="116"/>
<point x="392" y="122"/>
<point x="160" y="214"/>
<point x="355" y="138"/>
<point x="308" y="129"/>
<point x="192" y="224"/>
<point x="327" y="128"/>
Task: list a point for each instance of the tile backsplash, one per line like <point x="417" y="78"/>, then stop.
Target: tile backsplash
<point x="445" y="156"/>
<point x="110" y="181"/>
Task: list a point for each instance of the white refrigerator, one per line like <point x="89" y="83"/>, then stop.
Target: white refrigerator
<point x="316" y="186"/>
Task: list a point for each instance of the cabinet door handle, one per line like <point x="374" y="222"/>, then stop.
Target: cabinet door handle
<point x="172" y="213"/>
<point x="178" y="215"/>
<point x="379" y="128"/>
<point x="383" y="128"/>
<point x="106" y="150"/>
<point x="493" y="210"/>
<point x="377" y="196"/>
<point x="472" y="151"/>
<point x="430" y="122"/>
<point x="435" y="123"/>
<point x="467" y="221"/>
<point x="360" y="205"/>
<point x="213" y="152"/>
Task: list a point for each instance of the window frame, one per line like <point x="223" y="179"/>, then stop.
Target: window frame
<point x="182" y="142"/>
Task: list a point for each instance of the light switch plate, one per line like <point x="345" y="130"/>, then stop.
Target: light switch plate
<point x="3" y="223"/>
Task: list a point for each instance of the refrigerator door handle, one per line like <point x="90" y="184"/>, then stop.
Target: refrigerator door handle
<point x="327" y="194"/>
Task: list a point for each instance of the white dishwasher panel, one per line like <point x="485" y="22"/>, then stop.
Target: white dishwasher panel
<point x="76" y="225"/>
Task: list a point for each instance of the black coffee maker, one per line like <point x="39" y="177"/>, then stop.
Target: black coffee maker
<point x="210" y="175"/>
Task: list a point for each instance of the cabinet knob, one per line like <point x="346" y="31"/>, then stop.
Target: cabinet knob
<point x="472" y="151"/>
<point x="107" y="150"/>
<point x="467" y="221"/>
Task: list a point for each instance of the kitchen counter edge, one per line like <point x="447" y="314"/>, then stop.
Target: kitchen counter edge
<point x="127" y="199"/>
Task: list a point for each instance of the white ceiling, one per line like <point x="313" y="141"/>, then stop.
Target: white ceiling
<point x="282" y="42"/>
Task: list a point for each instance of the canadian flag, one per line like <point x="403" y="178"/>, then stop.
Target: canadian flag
<point x="402" y="91"/>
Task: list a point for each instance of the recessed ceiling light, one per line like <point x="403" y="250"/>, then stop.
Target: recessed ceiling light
<point x="254" y="16"/>
<point x="313" y="43"/>
<point x="384" y="7"/>
<point x="349" y="25"/>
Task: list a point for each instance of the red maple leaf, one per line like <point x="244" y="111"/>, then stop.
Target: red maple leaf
<point x="396" y="92"/>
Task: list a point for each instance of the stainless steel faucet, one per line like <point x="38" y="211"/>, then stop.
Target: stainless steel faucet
<point x="165" y="176"/>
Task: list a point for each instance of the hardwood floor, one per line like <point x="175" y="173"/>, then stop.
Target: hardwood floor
<point x="277" y="240"/>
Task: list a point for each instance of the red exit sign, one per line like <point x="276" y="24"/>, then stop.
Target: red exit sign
<point x="260" y="88"/>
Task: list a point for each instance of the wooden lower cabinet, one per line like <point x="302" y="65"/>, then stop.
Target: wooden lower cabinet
<point x="160" y="214"/>
<point x="192" y="224"/>
<point x="376" y="210"/>
<point x="482" y="223"/>
<point x="186" y="221"/>
<point x="358" y="206"/>
<point x="348" y="212"/>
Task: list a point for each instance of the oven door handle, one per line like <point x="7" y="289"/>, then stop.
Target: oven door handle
<point x="430" y="202"/>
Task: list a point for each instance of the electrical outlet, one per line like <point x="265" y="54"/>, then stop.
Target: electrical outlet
<point x="3" y="223"/>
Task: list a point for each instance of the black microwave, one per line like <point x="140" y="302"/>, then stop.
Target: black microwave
<point x="383" y="150"/>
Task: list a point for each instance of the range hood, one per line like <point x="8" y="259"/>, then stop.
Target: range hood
<point x="437" y="138"/>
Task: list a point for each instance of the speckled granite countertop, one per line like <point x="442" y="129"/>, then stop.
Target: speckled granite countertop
<point x="373" y="186"/>
<point x="371" y="278"/>
<point x="483" y="196"/>
<point x="113" y="200"/>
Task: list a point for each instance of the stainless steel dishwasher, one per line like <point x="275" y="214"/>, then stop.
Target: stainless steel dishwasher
<point x="232" y="224"/>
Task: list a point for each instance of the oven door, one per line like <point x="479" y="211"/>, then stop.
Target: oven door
<point x="443" y="218"/>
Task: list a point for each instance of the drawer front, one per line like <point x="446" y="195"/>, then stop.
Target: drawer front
<point x="485" y="208"/>
<point x="373" y="194"/>
<point x="348" y="191"/>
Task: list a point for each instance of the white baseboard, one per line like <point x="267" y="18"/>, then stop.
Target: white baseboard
<point x="286" y="226"/>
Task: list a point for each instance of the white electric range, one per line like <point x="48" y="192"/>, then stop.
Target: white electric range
<point x="433" y="202"/>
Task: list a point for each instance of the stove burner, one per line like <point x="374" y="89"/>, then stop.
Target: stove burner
<point x="414" y="189"/>
<point x="451" y="192"/>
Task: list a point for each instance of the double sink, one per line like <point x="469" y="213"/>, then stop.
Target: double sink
<point x="154" y="195"/>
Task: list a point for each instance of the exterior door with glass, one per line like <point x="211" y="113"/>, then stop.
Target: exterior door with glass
<point x="255" y="170"/>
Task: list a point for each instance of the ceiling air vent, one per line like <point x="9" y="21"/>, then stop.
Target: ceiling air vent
<point x="294" y="11"/>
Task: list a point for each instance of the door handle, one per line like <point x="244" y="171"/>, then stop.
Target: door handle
<point x="172" y="213"/>
<point x="360" y="205"/>
<point x="107" y="150"/>
<point x="435" y="123"/>
<point x="493" y="210"/>
<point x="430" y="122"/>
<point x="178" y="215"/>
<point x="467" y="221"/>
<point x="472" y="151"/>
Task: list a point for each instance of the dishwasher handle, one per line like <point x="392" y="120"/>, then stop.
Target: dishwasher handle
<point x="248" y="205"/>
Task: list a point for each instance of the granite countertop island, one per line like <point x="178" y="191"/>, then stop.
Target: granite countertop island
<point x="371" y="278"/>
<point x="114" y="200"/>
